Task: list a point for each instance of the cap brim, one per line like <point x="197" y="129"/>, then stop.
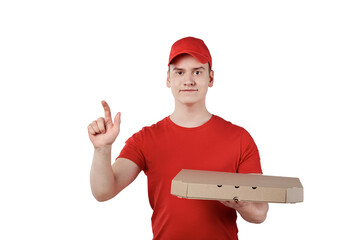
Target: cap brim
<point x="199" y="57"/>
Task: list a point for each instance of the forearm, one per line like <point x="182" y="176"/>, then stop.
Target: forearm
<point x="254" y="212"/>
<point x="102" y="178"/>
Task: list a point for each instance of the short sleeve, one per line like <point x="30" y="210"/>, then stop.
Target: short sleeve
<point x="133" y="150"/>
<point x="249" y="161"/>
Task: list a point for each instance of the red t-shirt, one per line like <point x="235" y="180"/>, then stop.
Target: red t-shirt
<point x="164" y="148"/>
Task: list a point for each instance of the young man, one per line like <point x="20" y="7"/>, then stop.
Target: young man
<point x="190" y="138"/>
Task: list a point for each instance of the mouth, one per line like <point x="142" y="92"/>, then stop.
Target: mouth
<point x="188" y="90"/>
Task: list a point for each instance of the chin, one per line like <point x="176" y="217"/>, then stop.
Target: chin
<point x="189" y="102"/>
<point x="185" y="101"/>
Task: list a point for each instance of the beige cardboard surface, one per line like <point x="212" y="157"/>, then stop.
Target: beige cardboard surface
<point x="211" y="185"/>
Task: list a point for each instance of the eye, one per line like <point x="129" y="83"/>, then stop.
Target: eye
<point x="179" y="73"/>
<point x="197" y="72"/>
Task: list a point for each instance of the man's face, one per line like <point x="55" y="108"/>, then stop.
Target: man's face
<point x="189" y="79"/>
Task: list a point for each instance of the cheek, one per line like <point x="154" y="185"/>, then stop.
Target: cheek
<point x="174" y="89"/>
<point x="175" y="85"/>
<point x="203" y="88"/>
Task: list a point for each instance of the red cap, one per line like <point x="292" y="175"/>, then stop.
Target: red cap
<point x="193" y="46"/>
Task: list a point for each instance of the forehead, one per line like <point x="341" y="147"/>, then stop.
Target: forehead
<point x="186" y="61"/>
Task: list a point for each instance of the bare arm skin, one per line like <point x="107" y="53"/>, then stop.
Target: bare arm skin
<point x="108" y="180"/>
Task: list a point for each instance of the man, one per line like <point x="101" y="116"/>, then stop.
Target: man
<point x="190" y="138"/>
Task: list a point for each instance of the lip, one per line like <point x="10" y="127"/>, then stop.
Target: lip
<point x="188" y="90"/>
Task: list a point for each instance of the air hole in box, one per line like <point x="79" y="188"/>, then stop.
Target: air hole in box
<point x="236" y="186"/>
<point x="219" y="185"/>
<point x="253" y="187"/>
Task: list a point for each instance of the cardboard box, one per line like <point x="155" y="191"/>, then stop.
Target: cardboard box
<point x="211" y="185"/>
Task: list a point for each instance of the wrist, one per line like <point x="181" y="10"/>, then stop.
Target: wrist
<point x="103" y="148"/>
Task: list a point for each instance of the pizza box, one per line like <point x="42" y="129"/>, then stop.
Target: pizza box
<point x="212" y="185"/>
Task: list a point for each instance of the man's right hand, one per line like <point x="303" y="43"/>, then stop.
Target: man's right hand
<point x="103" y="132"/>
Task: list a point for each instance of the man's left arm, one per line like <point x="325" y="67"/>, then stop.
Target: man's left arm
<point x="253" y="212"/>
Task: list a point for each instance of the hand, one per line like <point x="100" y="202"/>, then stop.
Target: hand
<point x="102" y="132"/>
<point x="254" y="212"/>
<point x="237" y="205"/>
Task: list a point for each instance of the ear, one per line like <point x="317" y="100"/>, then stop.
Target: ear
<point x="168" y="80"/>
<point x="211" y="77"/>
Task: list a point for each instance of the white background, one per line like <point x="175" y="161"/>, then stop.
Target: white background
<point x="287" y="71"/>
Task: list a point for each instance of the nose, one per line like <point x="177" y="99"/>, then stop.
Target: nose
<point x="189" y="81"/>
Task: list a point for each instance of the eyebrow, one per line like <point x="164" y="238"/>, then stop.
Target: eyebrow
<point x="197" y="68"/>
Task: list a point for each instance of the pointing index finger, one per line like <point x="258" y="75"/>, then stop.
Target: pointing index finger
<point x="108" y="118"/>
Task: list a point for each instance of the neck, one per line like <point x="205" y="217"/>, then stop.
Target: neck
<point x="190" y="115"/>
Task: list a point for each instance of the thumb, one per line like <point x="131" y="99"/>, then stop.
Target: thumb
<point x="117" y="120"/>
